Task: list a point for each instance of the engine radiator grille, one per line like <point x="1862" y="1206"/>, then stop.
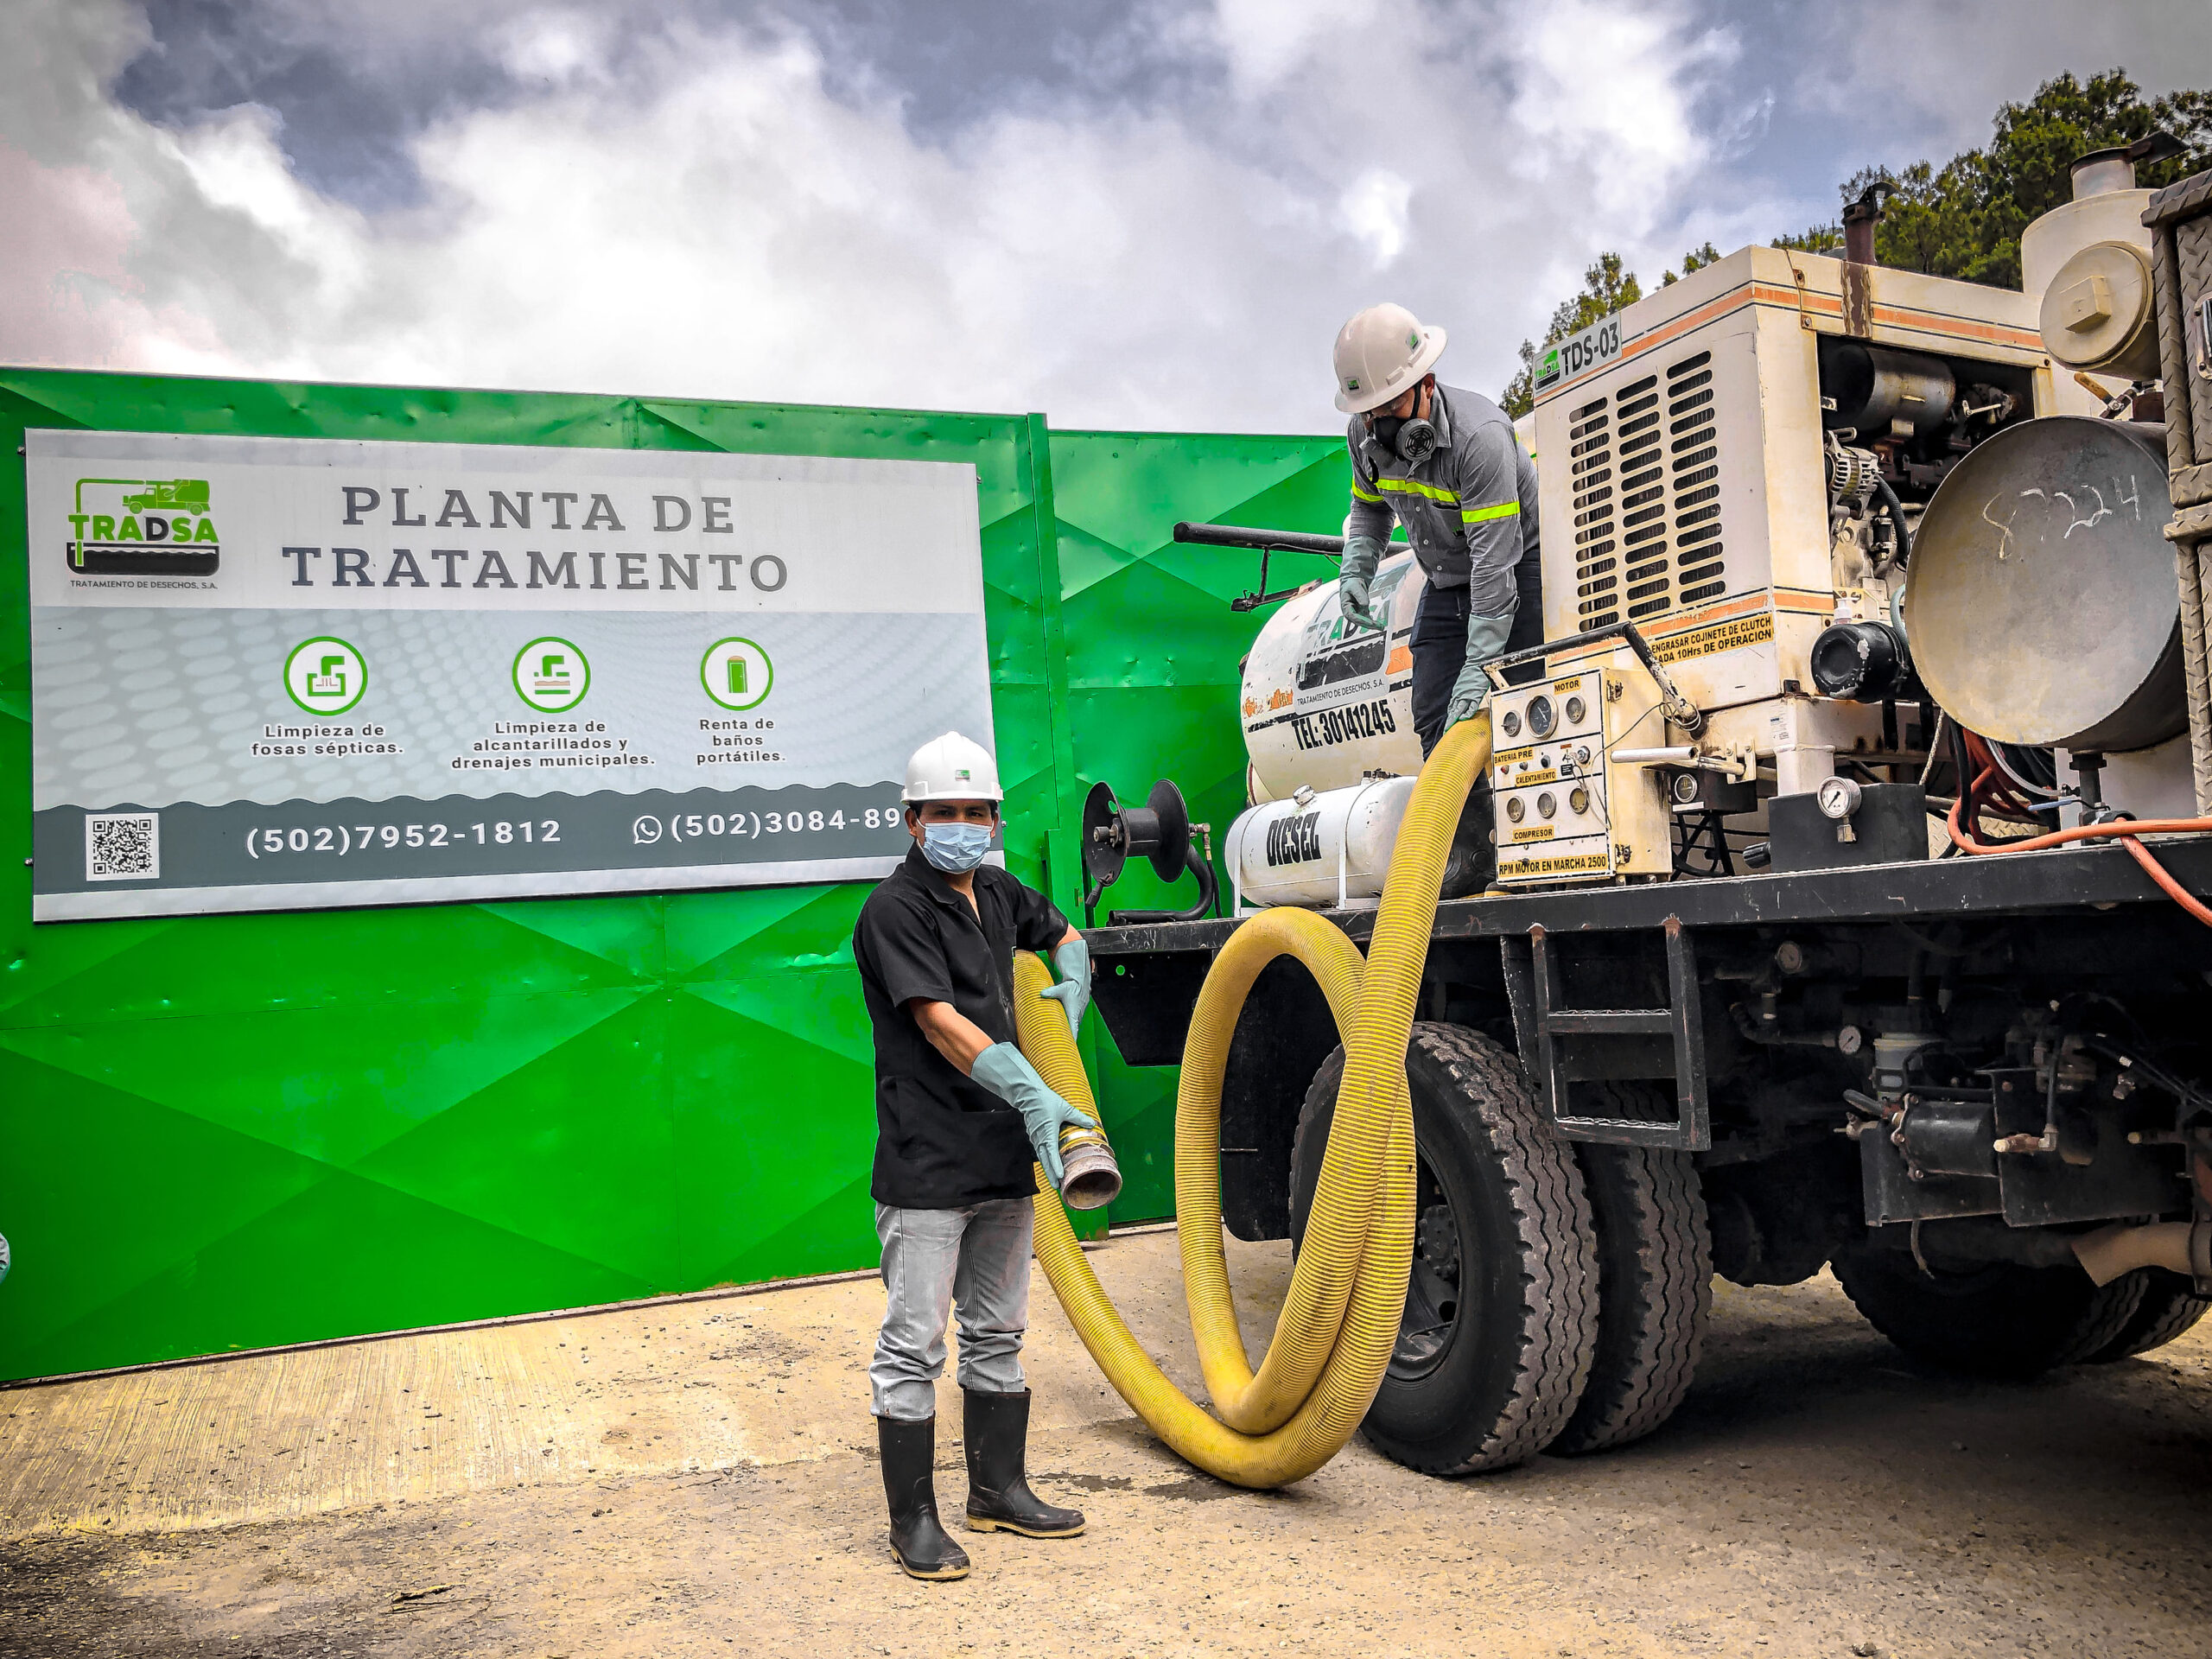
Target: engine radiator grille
<point x="1640" y="441"/>
<point x="1645" y="467"/>
<point x="1597" y="578"/>
<point x="1668" y="455"/>
<point x="1694" y="471"/>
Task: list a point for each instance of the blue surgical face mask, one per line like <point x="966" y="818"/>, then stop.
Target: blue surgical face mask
<point x="954" y="848"/>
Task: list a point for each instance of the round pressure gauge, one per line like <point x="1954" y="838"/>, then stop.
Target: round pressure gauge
<point x="1578" y="800"/>
<point x="1838" y="798"/>
<point x="1545" y="804"/>
<point x="1575" y="709"/>
<point x="1511" y="724"/>
<point x="1540" y="717"/>
<point x="1514" y="810"/>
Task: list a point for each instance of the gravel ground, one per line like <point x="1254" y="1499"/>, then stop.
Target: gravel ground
<point x="1815" y="1495"/>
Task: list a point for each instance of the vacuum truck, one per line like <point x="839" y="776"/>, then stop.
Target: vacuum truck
<point x="1835" y="897"/>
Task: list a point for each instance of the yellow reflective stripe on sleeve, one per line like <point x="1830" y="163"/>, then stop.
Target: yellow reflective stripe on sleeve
<point x="1482" y="515"/>
<point x="1364" y="495"/>
<point x="1414" y="486"/>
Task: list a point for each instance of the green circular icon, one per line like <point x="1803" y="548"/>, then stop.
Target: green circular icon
<point x="551" y="675"/>
<point x="325" y="676"/>
<point x="736" y="673"/>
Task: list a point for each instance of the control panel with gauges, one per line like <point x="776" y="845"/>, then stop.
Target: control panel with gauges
<point x="1567" y="808"/>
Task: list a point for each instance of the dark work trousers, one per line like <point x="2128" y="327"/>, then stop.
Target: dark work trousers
<point x="1439" y="647"/>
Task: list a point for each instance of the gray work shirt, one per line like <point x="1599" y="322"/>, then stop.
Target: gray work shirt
<point x="1469" y="509"/>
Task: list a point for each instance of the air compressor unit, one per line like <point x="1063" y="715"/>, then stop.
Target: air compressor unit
<point x="1738" y="467"/>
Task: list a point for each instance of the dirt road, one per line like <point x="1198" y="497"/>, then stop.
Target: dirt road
<point x="695" y="1479"/>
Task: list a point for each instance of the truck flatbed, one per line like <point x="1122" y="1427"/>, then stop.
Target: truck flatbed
<point x="2063" y="879"/>
<point x="1755" y="1001"/>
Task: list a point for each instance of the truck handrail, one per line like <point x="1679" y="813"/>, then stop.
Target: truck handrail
<point x="1265" y="543"/>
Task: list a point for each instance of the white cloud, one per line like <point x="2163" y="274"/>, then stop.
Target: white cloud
<point x="553" y="46"/>
<point x="1605" y="91"/>
<point x="1265" y="39"/>
<point x="1374" y="210"/>
<point x="707" y="218"/>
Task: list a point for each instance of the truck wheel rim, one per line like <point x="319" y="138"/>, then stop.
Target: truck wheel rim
<point x="1433" y="1293"/>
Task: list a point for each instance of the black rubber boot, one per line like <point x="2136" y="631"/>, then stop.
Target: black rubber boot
<point x="996" y="1427"/>
<point x="909" y="1486"/>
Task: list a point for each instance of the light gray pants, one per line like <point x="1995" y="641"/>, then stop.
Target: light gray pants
<point x="977" y="1257"/>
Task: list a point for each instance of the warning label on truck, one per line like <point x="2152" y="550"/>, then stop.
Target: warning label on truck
<point x="1566" y="864"/>
<point x="1756" y="629"/>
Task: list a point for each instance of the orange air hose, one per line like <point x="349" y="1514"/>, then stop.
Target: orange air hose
<point x="2126" y="831"/>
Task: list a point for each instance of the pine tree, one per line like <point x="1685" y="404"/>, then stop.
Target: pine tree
<point x="1963" y="219"/>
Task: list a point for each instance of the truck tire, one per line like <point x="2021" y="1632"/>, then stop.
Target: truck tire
<point x="1501" y="1316"/>
<point x="2002" y="1320"/>
<point x="1655" y="1285"/>
<point x="2170" y="1307"/>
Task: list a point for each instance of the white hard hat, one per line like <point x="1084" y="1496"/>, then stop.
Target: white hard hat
<point x="952" y="768"/>
<point x="1380" y="353"/>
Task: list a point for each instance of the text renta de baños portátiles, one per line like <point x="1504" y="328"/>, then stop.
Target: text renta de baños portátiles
<point x="570" y="570"/>
<point x="735" y="742"/>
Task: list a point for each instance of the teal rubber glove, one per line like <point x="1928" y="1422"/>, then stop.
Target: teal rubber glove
<point x="1004" y="1070"/>
<point x="1073" y="992"/>
<point x="1486" y="637"/>
<point x="1355" y="581"/>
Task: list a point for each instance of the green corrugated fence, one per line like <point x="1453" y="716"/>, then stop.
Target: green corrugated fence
<point x="234" y="1131"/>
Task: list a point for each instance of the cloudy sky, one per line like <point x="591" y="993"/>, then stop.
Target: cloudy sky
<point x="1151" y="214"/>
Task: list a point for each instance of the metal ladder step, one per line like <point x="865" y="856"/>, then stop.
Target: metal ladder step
<point x="1533" y="984"/>
<point x="1594" y="1022"/>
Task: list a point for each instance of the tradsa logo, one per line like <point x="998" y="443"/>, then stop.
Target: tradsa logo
<point x="143" y="527"/>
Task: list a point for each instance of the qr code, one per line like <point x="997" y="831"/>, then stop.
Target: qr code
<point x="123" y="846"/>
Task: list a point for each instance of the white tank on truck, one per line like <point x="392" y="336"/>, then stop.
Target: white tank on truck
<point x="1326" y="705"/>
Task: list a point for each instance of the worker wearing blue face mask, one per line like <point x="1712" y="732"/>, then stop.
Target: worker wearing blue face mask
<point x="960" y="1117"/>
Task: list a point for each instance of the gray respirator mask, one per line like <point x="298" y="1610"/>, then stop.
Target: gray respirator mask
<point x="1412" y="439"/>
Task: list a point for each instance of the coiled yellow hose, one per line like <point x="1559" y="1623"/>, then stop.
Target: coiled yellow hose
<point x="1339" y="1323"/>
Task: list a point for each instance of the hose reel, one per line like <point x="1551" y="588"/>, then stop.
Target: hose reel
<point x="1159" y="830"/>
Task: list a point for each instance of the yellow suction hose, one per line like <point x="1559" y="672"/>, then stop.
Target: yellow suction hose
<point x="1339" y="1323"/>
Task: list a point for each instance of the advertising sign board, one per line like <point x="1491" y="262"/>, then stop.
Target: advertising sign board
<point x="279" y="673"/>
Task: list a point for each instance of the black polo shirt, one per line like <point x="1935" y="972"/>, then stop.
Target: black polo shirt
<point x="943" y="1140"/>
